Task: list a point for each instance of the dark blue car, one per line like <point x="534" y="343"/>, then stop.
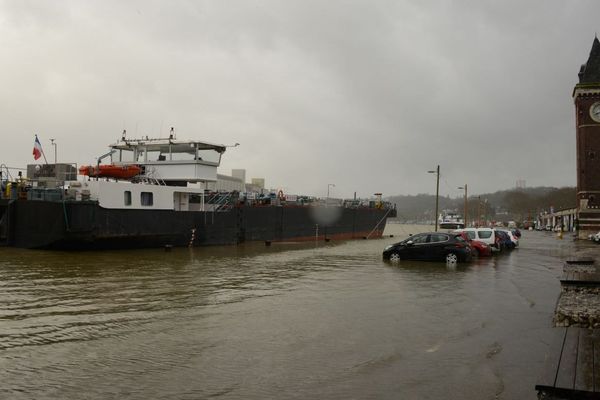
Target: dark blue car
<point x="504" y="240"/>
<point x="430" y="246"/>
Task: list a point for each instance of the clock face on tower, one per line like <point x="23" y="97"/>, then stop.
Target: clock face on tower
<point x="595" y="111"/>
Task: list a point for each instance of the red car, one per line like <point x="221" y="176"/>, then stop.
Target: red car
<point x="480" y="248"/>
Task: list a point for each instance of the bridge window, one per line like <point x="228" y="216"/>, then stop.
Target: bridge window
<point x="147" y="198"/>
<point x="209" y="155"/>
<point x="125" y="155"/>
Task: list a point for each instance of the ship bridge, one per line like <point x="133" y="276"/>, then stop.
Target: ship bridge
<point x="169" y="160"/>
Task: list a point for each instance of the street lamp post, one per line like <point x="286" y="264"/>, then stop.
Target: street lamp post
<point x="465" y="216"/>
<point x="437" y="194"/>
<point x="478" y="211"/>
<point x="485" y="209"/>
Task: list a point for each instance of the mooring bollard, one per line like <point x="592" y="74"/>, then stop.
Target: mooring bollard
<point x="267" y="242"/>
<point x="168" y="247"/>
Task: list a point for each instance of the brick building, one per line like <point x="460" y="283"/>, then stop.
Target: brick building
<point x="586" y="96"/>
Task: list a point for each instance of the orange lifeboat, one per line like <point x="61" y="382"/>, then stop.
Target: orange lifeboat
<point x="110" y="171"/>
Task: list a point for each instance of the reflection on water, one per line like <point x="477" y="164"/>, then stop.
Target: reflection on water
<point x="309" y="320"/>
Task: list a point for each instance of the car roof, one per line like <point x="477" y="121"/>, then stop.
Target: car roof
<point x="432" y="233"/>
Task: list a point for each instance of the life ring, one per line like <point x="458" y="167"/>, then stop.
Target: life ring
<point x="280" y="195"/>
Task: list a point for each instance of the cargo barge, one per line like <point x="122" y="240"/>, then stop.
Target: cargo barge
<point x="166" y="204"/>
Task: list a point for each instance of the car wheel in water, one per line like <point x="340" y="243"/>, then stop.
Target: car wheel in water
<point x="394" y="257"/>
<point x="451" y="258"/>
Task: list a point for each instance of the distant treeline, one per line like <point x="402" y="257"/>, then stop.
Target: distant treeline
<point x="515" y="204"/>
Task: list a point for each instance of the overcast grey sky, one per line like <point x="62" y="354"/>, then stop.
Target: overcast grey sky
<point x="367" y="95"/>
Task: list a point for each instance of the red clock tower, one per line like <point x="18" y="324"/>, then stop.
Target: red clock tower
<point x="587" y="116"/>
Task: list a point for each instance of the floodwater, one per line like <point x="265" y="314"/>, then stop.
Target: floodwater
<point x="289" y="321"/>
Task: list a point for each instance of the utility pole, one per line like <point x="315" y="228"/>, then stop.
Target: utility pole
<point x="437" y="195"/>
<point x="466" y="210"/>
<point x="479" y="211"/>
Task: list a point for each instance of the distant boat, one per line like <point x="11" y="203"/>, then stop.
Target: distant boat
<point x="451" y="220"/>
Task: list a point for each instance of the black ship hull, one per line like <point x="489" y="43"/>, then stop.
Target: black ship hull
<point x="86" y="225"/>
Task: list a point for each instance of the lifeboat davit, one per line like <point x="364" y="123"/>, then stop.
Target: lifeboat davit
<point x="110" y="171"/>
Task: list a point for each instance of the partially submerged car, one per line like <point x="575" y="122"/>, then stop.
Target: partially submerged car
<point x="480" y="249"/>
<point x="485" y="235"/>
<point x="430" y="246"/>
<point x="509" y="241"/>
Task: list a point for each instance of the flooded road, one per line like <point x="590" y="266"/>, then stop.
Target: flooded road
<point x="330" y="321"/>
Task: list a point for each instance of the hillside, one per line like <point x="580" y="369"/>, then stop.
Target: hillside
<point x="501" y="205"/>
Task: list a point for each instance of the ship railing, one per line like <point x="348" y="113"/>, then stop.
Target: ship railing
<point x="5" y="177"/>
<point x="21" y="187"/>
<point x="149" y="180"/>
<point x="151" y="176"/>
<point x="5" y="173"/>
<point x="368" y="203"/>
<point x="220" y="201"/>
<point x="271" y="199"/>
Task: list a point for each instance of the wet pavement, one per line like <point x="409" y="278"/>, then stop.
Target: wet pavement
<point x="291" y="321"/>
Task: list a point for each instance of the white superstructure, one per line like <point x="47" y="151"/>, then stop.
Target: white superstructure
<point x="128" y="195"/>
<point x="175" y="174"/>
<point x="169" y="159"/>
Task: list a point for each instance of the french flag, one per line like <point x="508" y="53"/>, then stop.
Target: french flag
<point x="37" y="148"/>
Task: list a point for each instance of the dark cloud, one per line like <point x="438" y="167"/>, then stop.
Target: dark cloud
<point x="366" y="95"/>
